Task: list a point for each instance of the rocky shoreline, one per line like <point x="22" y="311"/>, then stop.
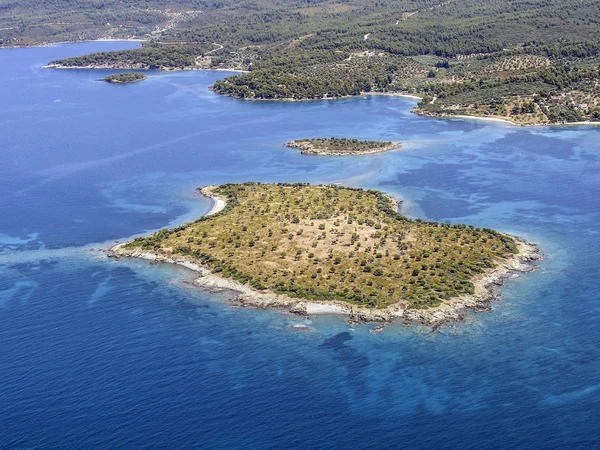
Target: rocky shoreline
<point x="454" y="310"/>
<point x="117" y="81"/>
<point x="306" y="148"/>
<point x="134" y="66"/>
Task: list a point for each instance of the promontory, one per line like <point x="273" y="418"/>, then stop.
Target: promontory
<point x="326" y="248"/>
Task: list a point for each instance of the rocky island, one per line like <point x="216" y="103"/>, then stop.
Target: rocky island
<point x="125" y="78"/>
<point x="341" y="146"/>
<point x="330" y="249"/>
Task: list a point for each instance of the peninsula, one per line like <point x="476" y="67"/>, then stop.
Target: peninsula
<point x="324" y="248"/>
<point x="125" y="78"/>
<point x="341" y="146"/>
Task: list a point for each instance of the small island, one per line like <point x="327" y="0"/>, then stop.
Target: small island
<point x="341" y="146"/>
<point x="330" y="249"/>
<point x="125" y="78"/>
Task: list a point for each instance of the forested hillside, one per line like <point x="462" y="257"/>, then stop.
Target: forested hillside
<point x="33" y="22"/>
<point x="484" y="57"/>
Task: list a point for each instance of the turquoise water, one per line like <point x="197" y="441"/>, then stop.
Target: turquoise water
<point x="98" y="353"/>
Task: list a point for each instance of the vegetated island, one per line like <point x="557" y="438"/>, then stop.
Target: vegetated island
<point x="125" y="78"/>
<point x="313" y="249"/>
<point x="341" y="146"/>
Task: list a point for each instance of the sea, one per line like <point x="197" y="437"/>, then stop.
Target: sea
<point x="98" y="353"/>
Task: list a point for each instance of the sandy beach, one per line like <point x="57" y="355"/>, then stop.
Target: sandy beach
<point x="393" y="94"/>
<point x="510" y="122"/>
<point x="500" y="120"/>
<point x="218" y="202"/>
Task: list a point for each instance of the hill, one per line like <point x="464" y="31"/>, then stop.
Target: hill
<point x="334" y="244"/>
<point x="529" y="62"/>
<point x="488" y="58"/>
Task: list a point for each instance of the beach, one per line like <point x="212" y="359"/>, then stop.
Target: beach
<point x="218" y="202"/>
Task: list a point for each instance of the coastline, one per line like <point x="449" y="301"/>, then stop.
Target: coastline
<point x="391" y="94"/>
<point x="517" y="124"/>
<point x="499" y="120"/>
<point x="52" y="44"/>
<point x="416" y="110"/>
<point x="307" y="149"/>
<point x="293" y="100"/>
<point x="125" y="82"/>
<point x="450" y="311"/>
<point x="219" y="203"/>
<point x="134" y="67"/>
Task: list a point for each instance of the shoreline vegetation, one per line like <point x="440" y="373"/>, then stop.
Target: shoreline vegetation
<point x="451" y="112"/>
<point x="436" y="274"/>
<point x="529" y="63"/>
<point x="124" y="78"/>
<point x="341" y="146"/>
<point x="52" y="44"/>
<point x="499" y="119"/>
<point x="134" y="66"/>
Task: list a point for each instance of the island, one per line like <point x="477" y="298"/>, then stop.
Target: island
<point x="341" y="146"/>
<point x="125" y="78"/>
<point x="312" y="249"/>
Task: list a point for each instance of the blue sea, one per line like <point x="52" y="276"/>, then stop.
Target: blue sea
<point x="96" y="353"/>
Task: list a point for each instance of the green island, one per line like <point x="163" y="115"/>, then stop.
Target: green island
<point x="326" y="248"/>
<point x="341" y="146"/>
<point x="124" y="78"/>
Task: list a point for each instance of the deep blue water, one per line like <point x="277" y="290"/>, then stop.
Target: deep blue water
<point x="102" y="354"/>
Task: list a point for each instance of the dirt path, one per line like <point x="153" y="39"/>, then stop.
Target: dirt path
<point x="214" y="50"/>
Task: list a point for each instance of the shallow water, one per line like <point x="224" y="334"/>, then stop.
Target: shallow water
<point x="97" y="353"/>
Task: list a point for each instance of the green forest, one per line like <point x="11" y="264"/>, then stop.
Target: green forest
<point x="124" y="78"/>
<point x="492" y="57"/>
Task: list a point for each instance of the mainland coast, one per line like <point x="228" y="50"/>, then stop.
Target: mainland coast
<point x="416" y="110"/>
<point x="484" y="285"/>
<point x="134" y="66"/>
<point x="445" y="115"/>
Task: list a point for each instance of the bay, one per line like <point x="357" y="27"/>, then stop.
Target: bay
<point x="97" y="353"/>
